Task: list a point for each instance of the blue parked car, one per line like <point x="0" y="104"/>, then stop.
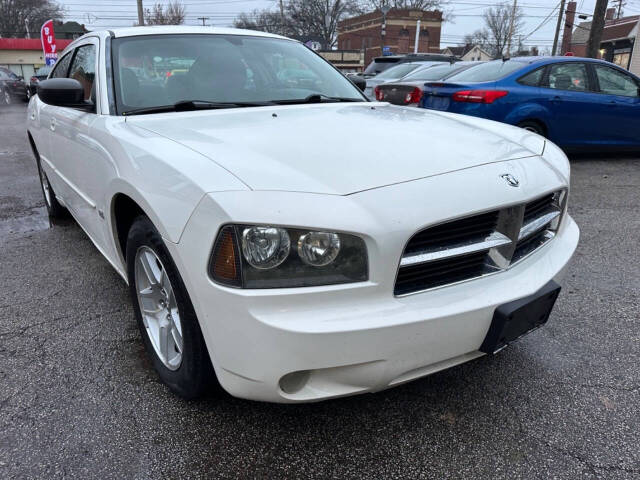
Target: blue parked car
<point x="578" y="103"/>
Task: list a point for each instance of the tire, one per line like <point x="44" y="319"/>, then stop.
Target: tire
<point x="533" y="126"/>
<point x="5" y="97"/>
<point x="27" y="97"/>
<point x="54" y="209"/>
<point x="183" y="362"/>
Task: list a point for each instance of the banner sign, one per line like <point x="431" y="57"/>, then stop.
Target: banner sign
<point x="48" y="43"/>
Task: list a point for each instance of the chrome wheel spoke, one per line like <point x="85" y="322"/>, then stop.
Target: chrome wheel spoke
<point x="158" y="308"/>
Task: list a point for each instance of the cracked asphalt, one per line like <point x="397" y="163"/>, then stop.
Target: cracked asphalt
<point x="79" y="399"/>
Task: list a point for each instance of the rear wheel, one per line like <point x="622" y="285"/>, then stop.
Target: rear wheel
<point x="167" y="321"/>
<point x="533" y="126"/>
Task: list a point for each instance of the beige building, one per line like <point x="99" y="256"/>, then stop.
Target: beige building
<point x="468" y="53"/>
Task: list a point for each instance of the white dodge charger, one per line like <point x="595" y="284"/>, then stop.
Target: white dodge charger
<point x="280" y="234"/>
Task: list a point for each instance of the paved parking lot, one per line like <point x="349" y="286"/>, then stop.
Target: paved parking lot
<point x="78" y="397"/>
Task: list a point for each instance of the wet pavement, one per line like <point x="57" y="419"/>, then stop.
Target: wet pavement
<point x="79" y="399"/>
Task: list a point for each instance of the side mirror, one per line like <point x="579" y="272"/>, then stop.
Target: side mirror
<point x="63" y="92"/>
<point x="359" y="82"/>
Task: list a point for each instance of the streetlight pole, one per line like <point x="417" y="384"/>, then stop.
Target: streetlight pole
<point x="383" y="31"/>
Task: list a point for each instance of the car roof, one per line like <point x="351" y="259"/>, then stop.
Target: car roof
<point x="177" y="30"/>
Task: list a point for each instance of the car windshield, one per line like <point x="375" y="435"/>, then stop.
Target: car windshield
<point x="487" y="72"/>
<point x="42" y="71"/>
<point x="160" y="70"/>
<point x="432" y="73"/>
<point x="398" y="71"/>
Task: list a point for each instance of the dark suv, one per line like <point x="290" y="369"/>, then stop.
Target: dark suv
<point x="380" y="64"/>
<point x="11" y="87"/>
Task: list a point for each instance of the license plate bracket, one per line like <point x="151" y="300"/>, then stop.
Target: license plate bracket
<point x="515" y="319"/>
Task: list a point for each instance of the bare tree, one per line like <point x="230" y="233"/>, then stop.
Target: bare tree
<point x="315" y="18"/>
<point x="173" y="14"/>
<point x="494" y="37"/>
<point x="264" y="21"/>
<point x="320" y="17"/>
<point x="13" y="14"/>
<point x="369" y="5"/>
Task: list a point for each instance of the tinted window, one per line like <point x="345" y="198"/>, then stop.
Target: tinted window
<point x="532" y="79"/>
<point x="487" y="72"/>
<point x="378" y="66"/>
<point x="398" y="71"/>
<point x="83" y="68"/>
<point x="568" y="76"/>
<point x="614" y="82"/>
<point x="159" y="70"/>
<point x="432" y="73"/>
<point x="60" y="69"/>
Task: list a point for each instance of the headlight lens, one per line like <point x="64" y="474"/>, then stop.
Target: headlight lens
<point x="318" y="248"/>
<point x="265" y="247"/>
<point x="262" y="257"/>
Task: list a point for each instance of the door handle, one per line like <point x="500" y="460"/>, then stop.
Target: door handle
<point x="556" y="98"/>
<point x="53" y="124"/>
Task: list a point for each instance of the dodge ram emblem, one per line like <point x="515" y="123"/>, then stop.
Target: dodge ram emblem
<point x="510" y="179"/>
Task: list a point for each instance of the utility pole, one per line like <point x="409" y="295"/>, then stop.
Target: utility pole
<point x="140" y="14"/>
<point x="383" y="31"/>
<point x="558" y="25"/>
<point x="597" y="26"/>
<point x="282" y="32"/>
<point x="621" y="4"/>
<point x="203" y="20"/>
<point x="513" y="18"/>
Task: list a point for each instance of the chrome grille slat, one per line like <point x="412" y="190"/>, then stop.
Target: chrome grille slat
<point x="475" y="246"/>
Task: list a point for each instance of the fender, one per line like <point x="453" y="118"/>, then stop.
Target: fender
<point x="530" y="111"/>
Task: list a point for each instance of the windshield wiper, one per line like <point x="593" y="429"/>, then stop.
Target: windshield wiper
<point x="317" y="98"/>
<point x="191" y="105"/>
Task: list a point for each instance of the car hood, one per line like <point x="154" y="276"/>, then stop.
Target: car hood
<point x="340" y="148"/>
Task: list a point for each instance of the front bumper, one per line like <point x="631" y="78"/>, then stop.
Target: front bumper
<point x="315" y="343"/>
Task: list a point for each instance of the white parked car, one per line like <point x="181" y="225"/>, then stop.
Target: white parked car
<point x="282" y="234"/>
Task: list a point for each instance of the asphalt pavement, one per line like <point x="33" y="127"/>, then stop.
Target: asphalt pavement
<point x="79" y="399"/>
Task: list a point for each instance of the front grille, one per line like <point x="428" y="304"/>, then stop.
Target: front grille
<point x="475" y="246"/>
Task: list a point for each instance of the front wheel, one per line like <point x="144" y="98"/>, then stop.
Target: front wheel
<point x="54" y="209"/>
<point x="167" y="321"/>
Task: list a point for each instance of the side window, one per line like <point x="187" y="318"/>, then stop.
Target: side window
<point x="568" y="76"/>
<point x="613" y="82"/>
<point x="60" y="70"/>
<point x="532" y="79"/>
<point x="83" y="69"/>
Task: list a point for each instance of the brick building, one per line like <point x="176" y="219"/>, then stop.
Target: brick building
<point x="619" y="39"/>
<point x="364" y="32"/>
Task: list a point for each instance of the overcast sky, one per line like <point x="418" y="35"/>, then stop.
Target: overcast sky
<point x="467" y="15"/>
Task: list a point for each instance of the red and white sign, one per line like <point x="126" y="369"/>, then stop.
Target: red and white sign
<point x="48" y="43"/>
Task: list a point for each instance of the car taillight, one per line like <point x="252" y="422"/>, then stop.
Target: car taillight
<point x="479" y="96"/>
<point x="414" y="96"/>
<point x="379" y="93"/>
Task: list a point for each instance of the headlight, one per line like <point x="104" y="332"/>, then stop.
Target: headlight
<point x="318" y="248"/>
<point x="265" y="247"/>
<point x="252" y="256"/>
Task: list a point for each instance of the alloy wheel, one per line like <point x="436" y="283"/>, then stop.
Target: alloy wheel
<point x="159" y="309"/>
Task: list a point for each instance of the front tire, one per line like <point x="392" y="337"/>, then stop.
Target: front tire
<point x="167" y="321"/>
<point x="54" y="208"/>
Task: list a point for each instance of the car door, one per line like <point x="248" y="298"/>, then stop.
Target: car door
<point x="619" y="96"/>
<point x="75" y="154"/>
<point x="43" y="127"/>
<point x="569" y="97"/>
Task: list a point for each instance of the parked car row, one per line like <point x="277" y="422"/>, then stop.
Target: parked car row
<point x="12" y="87"/>
<point x="578" y="103"/>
